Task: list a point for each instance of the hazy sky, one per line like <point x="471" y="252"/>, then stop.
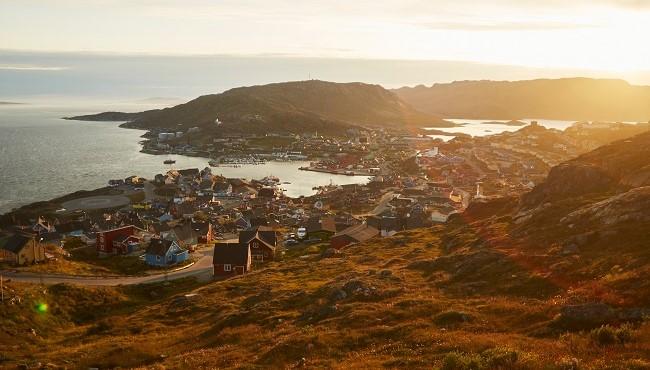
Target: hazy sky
<point x="605" y="35"/>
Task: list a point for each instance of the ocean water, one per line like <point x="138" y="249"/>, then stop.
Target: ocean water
<point x="43" y="157"/>
<point x="479" y="127"/>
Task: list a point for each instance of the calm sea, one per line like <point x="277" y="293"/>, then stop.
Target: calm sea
<point x="479" y="127"/>
<point x="43" y="157"/>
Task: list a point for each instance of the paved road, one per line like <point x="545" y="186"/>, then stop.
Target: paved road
<point x="383" y="203"/>
<point x="149" y="191"/>
<point x="202" y="267"/>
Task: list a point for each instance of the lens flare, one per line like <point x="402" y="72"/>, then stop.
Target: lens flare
<point x="41" y="307"/>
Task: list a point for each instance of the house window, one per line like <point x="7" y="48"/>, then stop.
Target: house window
<point x="256" y="245"/>
<point x="157" y="258"/>
<point x="227" y="268"/>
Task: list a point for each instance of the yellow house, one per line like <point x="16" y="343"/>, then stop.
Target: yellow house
<point x="21" y="249"/>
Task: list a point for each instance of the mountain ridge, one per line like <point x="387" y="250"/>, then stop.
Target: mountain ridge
<point x="577" y="98"/>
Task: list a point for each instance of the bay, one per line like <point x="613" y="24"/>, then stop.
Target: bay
<point x="43" y="156"/>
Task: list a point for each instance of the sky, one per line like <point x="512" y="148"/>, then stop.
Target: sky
<point x="598" y="36"/>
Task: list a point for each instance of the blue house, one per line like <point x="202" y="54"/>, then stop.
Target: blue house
<point x="163" y="252"/>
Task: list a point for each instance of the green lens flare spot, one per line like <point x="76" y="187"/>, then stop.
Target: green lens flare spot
<point x="41" y="307"/>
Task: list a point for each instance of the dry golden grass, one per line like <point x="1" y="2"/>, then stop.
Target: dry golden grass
<point x="292" y="314"/>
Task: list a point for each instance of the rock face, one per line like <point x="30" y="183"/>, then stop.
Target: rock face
<point x="631" y="206"/>
<point x="568" y="180"/>
<point x="612" y="168"/>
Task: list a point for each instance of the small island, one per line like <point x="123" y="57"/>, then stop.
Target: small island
<point x="509" y="123"/>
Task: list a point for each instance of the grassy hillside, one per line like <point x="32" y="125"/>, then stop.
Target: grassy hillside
<point x="563" y="99"/>
<point x="449" y="298"/>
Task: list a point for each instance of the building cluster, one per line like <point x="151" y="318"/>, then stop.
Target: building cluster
<point x="416" y="181"/>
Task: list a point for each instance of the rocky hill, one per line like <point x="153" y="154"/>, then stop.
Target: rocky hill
<point x="562" y="99"/>
<point x="610" y="169"/>
<point x="112" y="116"/>
<point x="289" y="106"/>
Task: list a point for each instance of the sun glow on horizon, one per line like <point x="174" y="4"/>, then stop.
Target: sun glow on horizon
<point x="604" y="35"/>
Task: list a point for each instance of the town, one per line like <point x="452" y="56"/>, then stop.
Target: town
<point x="167" y="222"/>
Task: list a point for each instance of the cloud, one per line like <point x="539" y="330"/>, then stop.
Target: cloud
<point x="505" y="26"/>
<point x="634" y="4"/>
<point x="27" y="67"/>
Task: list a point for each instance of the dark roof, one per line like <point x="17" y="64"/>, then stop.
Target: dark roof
<point x="69" y="227"/>
<point x="184" y="232"/>
<point x="49" y="237"/>
<point x="189" y="172"/>
<point x="200" y="227"/>
<point x="159" y="247"/>
<point x="264" y="233"/>
<point x="231" y="253"/>
<point x="185" y="209"/>
<point x="259" y="221"/>
<point x="15" y="243"/>
<point x="316" y="223"/>
<point x="160" y="227"/>
<point x="206" y="184"/>
<point x="266" y="192"/>
<point x="360" y="233"/>
<point x="220" y="186"/>
<point x="238" y="182"/>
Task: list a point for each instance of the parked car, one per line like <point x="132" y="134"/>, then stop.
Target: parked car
<point x="290" y="242"/>
<point x="302" y="232"/>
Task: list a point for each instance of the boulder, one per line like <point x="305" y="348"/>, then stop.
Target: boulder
<point x="338" y="295"/>
<point x="330" y="252"/>
<point x="584" y="316"/>
<point x="385" y="273"/>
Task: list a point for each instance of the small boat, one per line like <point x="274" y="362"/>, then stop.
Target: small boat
<point x="169" y="161"/>
<point x="213" y="163"/>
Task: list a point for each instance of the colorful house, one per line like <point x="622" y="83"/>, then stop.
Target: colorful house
<point x="21" y="249"/>
<point x="161" y="252"/>
<point x="113" y="241"/>
<point x="262" y="241"/>
<point x="231" y="259"/>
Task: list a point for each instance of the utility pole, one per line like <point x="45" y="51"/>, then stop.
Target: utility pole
<point x="2" y="290"/>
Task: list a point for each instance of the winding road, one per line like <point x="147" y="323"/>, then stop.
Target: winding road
<point x="202" y="267"/>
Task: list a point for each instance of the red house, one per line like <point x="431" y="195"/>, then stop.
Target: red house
<point x="262" y="241"/>
<point x="231" y="259"/>
<point x="113" y="241"/>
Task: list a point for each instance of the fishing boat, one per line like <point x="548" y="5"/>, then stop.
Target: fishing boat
<point x="169" y="161"/>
